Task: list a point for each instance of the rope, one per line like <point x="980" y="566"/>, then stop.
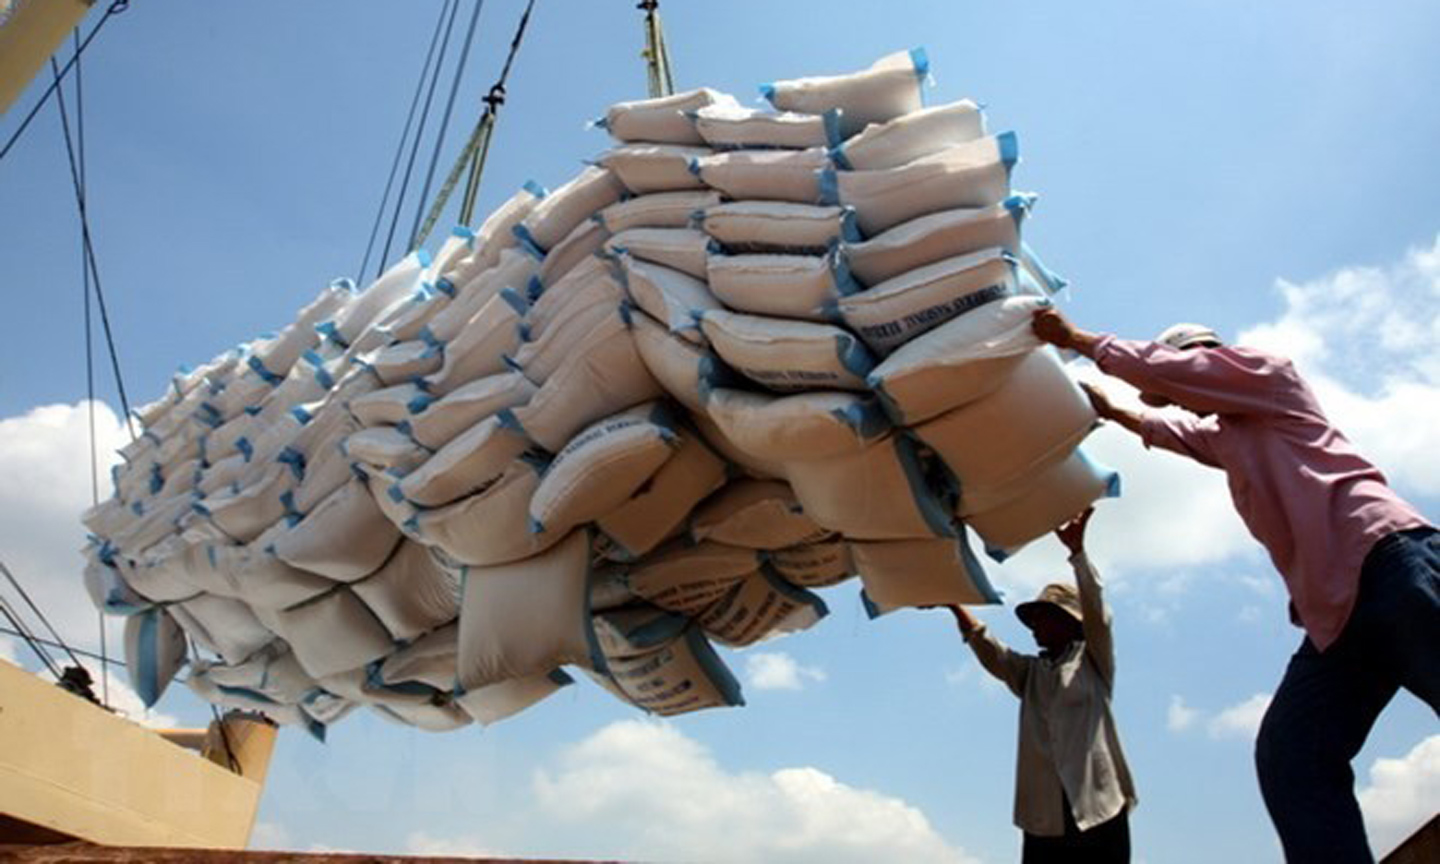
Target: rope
<point x="215" y="713"/>
<point x="36" y="609"/>
<point x="420" y="130"/>
<point x="115" y="8"/>
<point x="477" y="148"/>
<point x="109" y="661"/>
<point x="94" y="268"/>
<point x="24" y="633"/>
<point x="400" y="148"/>
<point x="415" y="238"/>
<point x="89" y="355"/>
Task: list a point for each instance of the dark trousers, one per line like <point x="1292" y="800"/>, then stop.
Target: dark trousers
<point x="1327" y="703"/>
<point x="1106" y="843"/>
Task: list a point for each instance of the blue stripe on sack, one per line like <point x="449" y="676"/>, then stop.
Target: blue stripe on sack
<point x="767" y="91"/>
<point x="845" y="281"/>
<point x="508" y="420"/>
<point x="693" y="166"/>
<point x="292" y="515"/>
<point x="535" y="525"/>
<point x="244" y="446"/>
<point x="850" y="225"/>
<point x="592" y="641"/>
<point x="1009" y="146"/>
<point x="785" y="589"/>
<point x="301" y="414"/>
<point x="527" y="242"/>
<point x="423" y="256"/>
<point x="559" y="678"/>
<point x="266" y="375"/>
<point x="974" y="571"/>
<point x="937" y="517"/>
<point x="714" y="668"/>
<point x="466" y="233"/>
<point x="921" y="62"/>
<point x="445" y="286"/>
<point x="295" y="459"/>
<point x="418" y="404"/>
<point x="1052" y="281"/>
<point x="833" y="137"/>
<point x="829" y="187"/>
<point x="515" y="301"/>
<point x="147" y="684"/>
<point x="157" y="479"/>
<point x="534" y="288"/>
<point x="854" y="356"/>
<point x="865" y="416"/>
<point x="1020" y="204"/>
<point x="872" y="609"/>
<point x="534" y="189"/>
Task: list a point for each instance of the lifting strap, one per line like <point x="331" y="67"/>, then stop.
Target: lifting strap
<point x="472" y="157"/>
<point x="656" y="54"/>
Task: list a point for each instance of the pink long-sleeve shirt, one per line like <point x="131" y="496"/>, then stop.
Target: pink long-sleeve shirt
<point x="1313" y="502"/>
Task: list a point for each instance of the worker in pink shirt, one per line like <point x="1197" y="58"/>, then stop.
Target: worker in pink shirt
<point x="1361" y="564"/>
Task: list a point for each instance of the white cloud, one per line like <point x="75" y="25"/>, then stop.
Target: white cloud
<point x="269" y="836"/>
<point x="44" y="458"/>
<point x="1368" y="341"/>
<point x="1402" y="794"/>
<point x="779" y="671"/>
<point x="1179" y="716"/>
<point x="641" y="789"/>
<point x="1240" y="721"/>
<point x="421" y="843"/>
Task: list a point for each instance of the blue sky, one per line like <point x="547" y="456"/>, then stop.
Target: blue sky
<point x="1265" y="168"/>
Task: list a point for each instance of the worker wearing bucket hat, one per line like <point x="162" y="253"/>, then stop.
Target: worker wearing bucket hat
<point x="1361" y="564"/>
<point x="1073" y="790"/>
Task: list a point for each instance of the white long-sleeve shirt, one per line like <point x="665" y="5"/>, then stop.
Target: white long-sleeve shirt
<point x="1068" y="745"/>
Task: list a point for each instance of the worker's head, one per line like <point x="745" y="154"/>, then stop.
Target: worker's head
<point x="1053" y="617"/>
<point x="1182" y="337"/>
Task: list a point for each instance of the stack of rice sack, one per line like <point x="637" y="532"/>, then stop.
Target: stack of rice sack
<point x="742" y="356"/>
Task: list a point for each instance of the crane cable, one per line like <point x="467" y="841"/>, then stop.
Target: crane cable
<point x="415" y="238"/>
<point x="115" y="8"/>
<point x="477" y="148"/>
<point x="400" y="148"/>
<point x="656" y="53"/>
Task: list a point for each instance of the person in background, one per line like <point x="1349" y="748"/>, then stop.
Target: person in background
<point x="1073" y="790"/>
<point x="1362" y="565"/>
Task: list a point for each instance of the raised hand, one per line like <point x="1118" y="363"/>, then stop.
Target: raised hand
<point x="1072" y="533"/>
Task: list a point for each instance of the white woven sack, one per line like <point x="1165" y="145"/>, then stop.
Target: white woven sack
<point x="681" y="676"/>
<point x="769" y="175"/>
<point x="910" y="137"/>
<point x="814" y="565"/>
<point x="586" y="240"/>
<point x="480" y="349"/>
<point x="762" y="606"/>
<point x="1044" y="415"/>
<point x="957" y="362"/>
<point x="411" y="594"/>
<point x="920" y="573"/>
<point x="732" y="127"/>
<point x="662" y="119"/>
<point x="558" y="213"/>
<point x="679" y="365"/>
<point x="669" y="296"/>
<point x="888" y="89"/>
<point x="788" y="355"/>
<point x="686" y="579"/>
<point x="1055" y="496"/>
<point x="495" y="235"/>
<point x="490" y="527"/>
<point x="683" y="249"/>
<point x="801" y="426"/>
<point x="526" y="618"/>
<point x="504" y="699"/>
<point x="755" y="514"/>
<point x="435" y="422"/>
<point x="575" y="335"/>
<point x="154" y="652"/>
<point x="467" y="464"/>
<point x="385" y="447"/>
<point x="658" y="509"/>
<point x="658" y="210"/>
<point x="899" y="309"/>
<point x="804" y="287"/>
<point x="879" y="493"/>
<point x="345" y="538"/>
<point x="224" y="625"/>
<point x="778" y="226"/>
<point x="333" y="633"/>
<point x="516" y="269"/>
<point x="592" y="282"/>
<point x="390" y="405"/>
<point x="596" y="380"/>
<point x="648" y="168"/>
<point x="601" y="467"/>
<point x="394" y="286"/>
<point x="937" y="236"/>
<point x="974" y="174"/>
